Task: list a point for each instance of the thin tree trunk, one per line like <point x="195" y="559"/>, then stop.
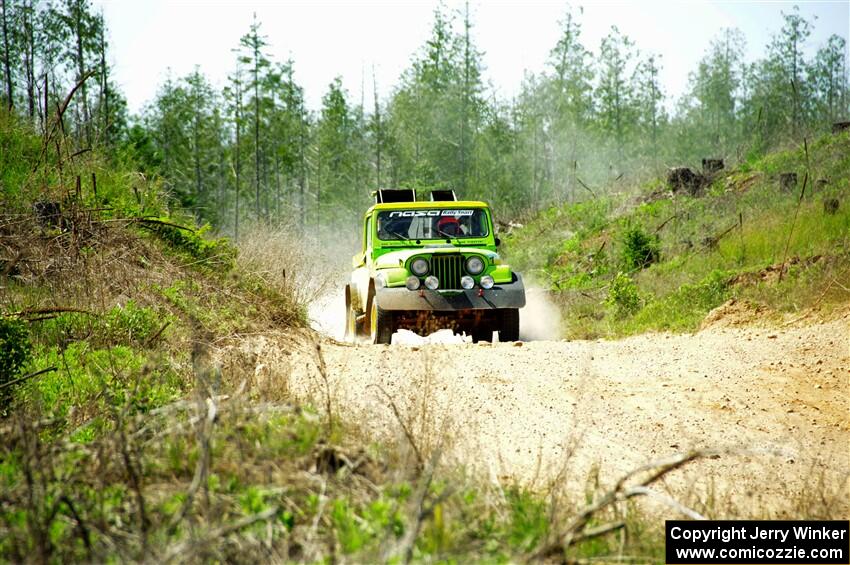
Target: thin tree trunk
<point x="6" y="56"/>
<point x="257" y="130"/>
<point x="197" y="151"/>
<point x="277" y="186"/>
<point x="29" y="63"/>
<point x="465" y="101"/>
<point x="81" y="70"/>
<point x="104" y="89"/>
<point x="302" y="154"/>
<point x="379" y="134"/>
<point x="238" y="162"/>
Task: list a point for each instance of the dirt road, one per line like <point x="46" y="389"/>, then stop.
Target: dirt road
<point x="778" y="400"/>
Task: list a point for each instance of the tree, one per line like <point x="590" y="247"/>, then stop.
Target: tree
<point x="715" y="93"/>
<point x="649" y="100"/>
<point x="252" y="45"/>
<point x="7" y="57"/>
<point x="233" y="93"/>
<point x="568" y="93"/>
<point x="828" y="75"/>
<point x="83" y="28"/>
<point x="782" y="92"/>
<point x="614" y="91"/>
<point x="335" y="132"/>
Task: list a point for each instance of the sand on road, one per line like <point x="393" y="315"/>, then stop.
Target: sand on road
<point x="775" y="402"/>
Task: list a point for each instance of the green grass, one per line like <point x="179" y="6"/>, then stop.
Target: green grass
<point x="745" y="224"/>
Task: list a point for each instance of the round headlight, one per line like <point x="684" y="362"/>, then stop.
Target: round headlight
<point x="467" y="282"/>
<point x="431" y="282"/>
<point x="412" y="283"/>
<point x="419" y="267"/>
<point x="474" y="265"/>
<point x="487" y="282"/>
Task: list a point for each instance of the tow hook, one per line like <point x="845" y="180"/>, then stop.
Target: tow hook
<point x="480" y="292"/>
<point x="421" y="293"/>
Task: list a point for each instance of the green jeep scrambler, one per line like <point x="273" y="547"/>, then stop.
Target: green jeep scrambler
<point x="431" y="265"/>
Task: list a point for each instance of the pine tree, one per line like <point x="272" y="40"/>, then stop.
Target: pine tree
<point x="569" y="99"/>
<point x="233" y="93"/>
<point x="252" y="45"/>
<point x="828" y="75"/>
<point x="614" y="92"/>
<point x="649" y="99"/>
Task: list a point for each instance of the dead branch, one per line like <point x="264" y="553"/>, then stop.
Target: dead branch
<point x="160" y="223"/>
<point x="60" y="112"/>
<point x="420" y="512"/>
<point x="180" y="549"/>
<point x="665" y="222"/>
<point x="154" y="337"/>
<point x="323" y="371"/>
<point x="27" y="377"/>
<point x="590" y="190"/>
<point x="204" y="438"/>
<point x="407" y="433"/>
<point x="664" y="499"/>
<point x="575" y="530"/>
<point x="53" y="310"/>
<point x="796" y="211"/>
<point x="713" y="240"/>
<point x="10" y="265"/>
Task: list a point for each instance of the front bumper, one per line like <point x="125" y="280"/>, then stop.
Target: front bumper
<point x="510" y="295"/>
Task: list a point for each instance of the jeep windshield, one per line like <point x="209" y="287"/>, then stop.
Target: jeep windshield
<point x="401" y="225"/>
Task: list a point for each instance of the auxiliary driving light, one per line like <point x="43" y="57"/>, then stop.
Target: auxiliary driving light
<point x="467" y="282"/>
<point x="432" y="283"/>
<point x="487" y="282"/>
<point x="474" y="265"/>
<point x="419" y="267"/>
<point x="412" y="283"/>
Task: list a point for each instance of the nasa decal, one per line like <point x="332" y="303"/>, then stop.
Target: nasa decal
<point x="429" y="213"/>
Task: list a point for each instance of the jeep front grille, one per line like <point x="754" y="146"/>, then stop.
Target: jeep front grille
<point x="448" y="269"/>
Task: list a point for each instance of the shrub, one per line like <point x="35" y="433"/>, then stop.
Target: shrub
<point x="15" y="349"/>
<point x="213" y="252"/>
<point x="131" y="324"/>
<point x="623" y="295"/>
<point x="639" y="249"/>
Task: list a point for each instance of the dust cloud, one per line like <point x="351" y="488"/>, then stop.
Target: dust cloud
<point x="326" y="313"/>
<point x="540" y="319"/>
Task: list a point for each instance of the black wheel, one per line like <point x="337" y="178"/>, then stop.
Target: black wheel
<point x="509" y="330"/>
<point x="380" y="324"/>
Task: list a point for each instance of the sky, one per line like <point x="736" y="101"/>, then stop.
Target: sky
<point x="151" y="39"/>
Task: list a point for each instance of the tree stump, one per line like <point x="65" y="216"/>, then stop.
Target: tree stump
<point x="830" y="206"/>
<point x="682" y="179"/>
<point x="787" y="181"/>
<point x="711" y="166"/>
<point x="47" y="213"/>
<point x="838" y="127"/>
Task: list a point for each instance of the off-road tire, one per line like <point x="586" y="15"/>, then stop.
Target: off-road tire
<point x="380" y="324"/>
<point x="351" y="333"/>
<point x="509" y="330"/>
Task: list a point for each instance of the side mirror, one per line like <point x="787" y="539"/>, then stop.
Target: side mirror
<point x="498" y="242"/>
